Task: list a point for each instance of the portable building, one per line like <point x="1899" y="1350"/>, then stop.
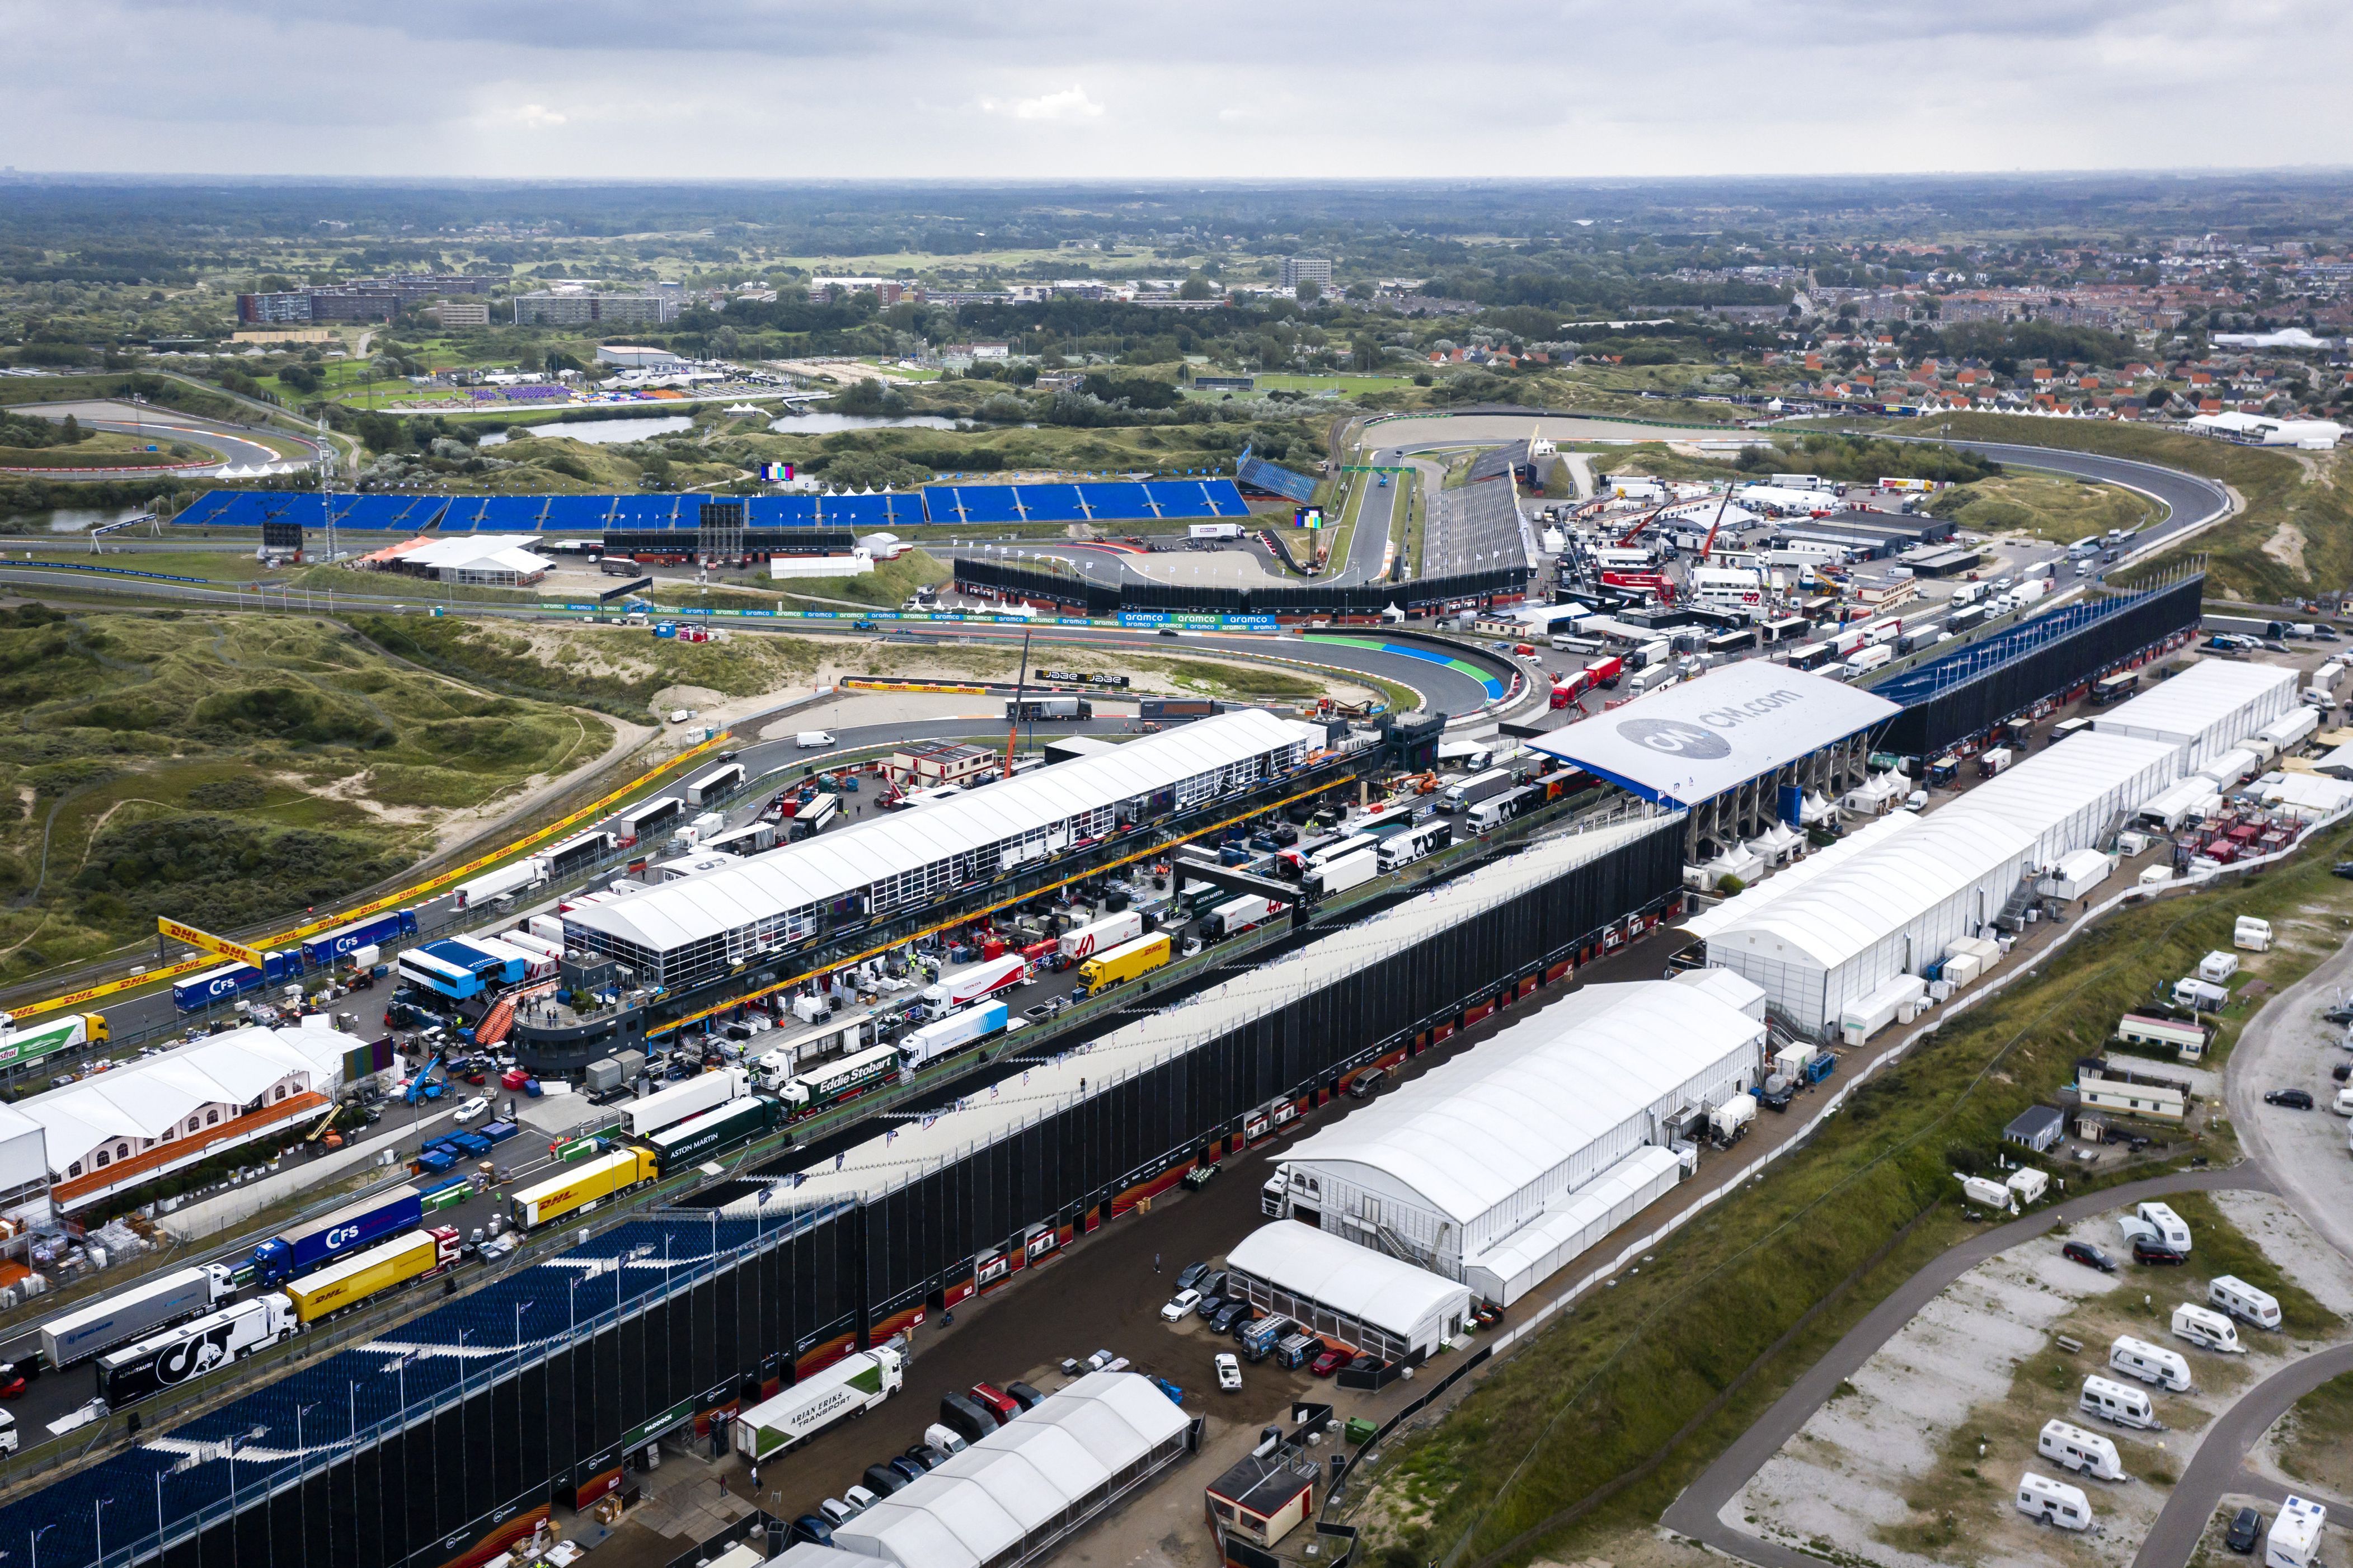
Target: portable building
<point x="2206" y="710"/>
<point x="1503" y="1137"/>
<point x="2170" y="807"/>
<point x="2231" y="769"/>
<point x="2076" y="875"/>
<point x="1355" y="1294"/>
<point x="2290" y="730"/>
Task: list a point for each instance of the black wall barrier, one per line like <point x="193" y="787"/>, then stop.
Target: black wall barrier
<point x="1282" y="599"/>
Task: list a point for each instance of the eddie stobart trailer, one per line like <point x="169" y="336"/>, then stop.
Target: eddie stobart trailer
<point x="851" y="1387"/>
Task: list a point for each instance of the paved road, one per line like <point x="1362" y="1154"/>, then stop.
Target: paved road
<point x="2214" y="1469"/>
<point x="166" y="424"/>
<point x="2192" y="502"/>
<point x="1368" y="544"/>
<point x="1697" y="1513"/>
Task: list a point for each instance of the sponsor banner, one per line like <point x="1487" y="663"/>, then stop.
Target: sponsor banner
<point x="1147" y="620"/>
<point x="251" y="957"/>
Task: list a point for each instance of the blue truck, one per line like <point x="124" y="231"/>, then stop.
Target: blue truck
<point x="305" y="1246"/>
<point x="230" y="981"/>
<point x="328" y="946"/>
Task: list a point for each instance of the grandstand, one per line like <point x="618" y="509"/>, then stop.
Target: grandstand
<point x="1260" y="475"/>
<point x="1127" y="502"/>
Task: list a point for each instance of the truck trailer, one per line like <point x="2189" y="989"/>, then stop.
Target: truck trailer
<point x="1132" y="960"/>
<point x="344" y="1285"/>
<point x="920" y="1048"/>
<point x="584" y="1186"/>
<point x="173" y="1357"/>
<point x="130" y="1314"/>
<point x="300" y="1248"/>
<point x="715" y="1131"/>
<point x="61" y="1034"/>
<point x="851" y="1386"/>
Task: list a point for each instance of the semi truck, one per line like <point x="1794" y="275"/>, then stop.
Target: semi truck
<point x="60" y="1033"/>
<point x="1338" y="875"/>
<point x="163" y="1361"/>
<point x="715" y="1131"/>
<point x="712" y="785"/>
<point x="120" y="1319"/>
<point x="1047" y="710"/>
<point x="1245" y="913"/>
<point x="584" y="1186"/>
<point x="1132" y="960"/>
<point x="692" y="1097"/>
<point x="836" y="1083"/>
<point x="1405" y="848"/>
<point x="1101" y="936"/>
<point x="524" y="874"/>
<point x="969" y="1025"/>
<point x="344" y="1285"/>
<point x="199" y="991"/>
<point x="300" y="1248"/>
<point x="375" y="931"/>
<point x="853" y="1385"/>
<point x="980" y="980"/>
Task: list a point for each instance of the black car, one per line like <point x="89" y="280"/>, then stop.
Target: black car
<point x="2090" y="1256"/>
<point x="2294" y="1099"/>
<point x="2156" y="1254"/>
<point x="2246" y="1529"/>
<point x="809" y="1526"/>
<point x="2344" y="869"/>
<point x="908" y="1468"/>
<point x="1024" y="1396"/>
<point x="1213" y="1283"/>
<point x="1230" y="1314"/>
<point x="2341" y="1071"/>
<point x="1191" y="1277"/>
<point x="923" y="1453"/>
<point x="882" y="1480"/>
<point x="1364" y="1364"/>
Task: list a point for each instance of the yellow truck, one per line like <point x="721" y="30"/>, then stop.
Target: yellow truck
<point x="587" y="1183"/>
<point x="1125" y="962"/>
<point x="342" y="1286"/>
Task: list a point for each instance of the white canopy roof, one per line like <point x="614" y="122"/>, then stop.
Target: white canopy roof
<point x="1746" y="903"/>
<point x="1019" y="1477"/>
<point x="146" y="1099"/>
<point x="1691" y="741"/>
<point x="1370" y="1287"/>
<point x="479" y="553"/>
<point x="860" y="854"/>
<point x="1477" y="1129"/>
<point x="2208" y="693"/>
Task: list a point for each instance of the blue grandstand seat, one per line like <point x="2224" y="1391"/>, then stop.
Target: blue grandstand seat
<point x="1118" y="503"/>
<point x="577" y="515"/>
<point x="1181" y="499"/>
<point x="465" y="514"/>
<point x="1225" y="498"/>
<point x="1052" y="504"/>
<point x="984" y="503"/>
<point x="639" y="512"/>
<point x="212" y="509"/>
<point x="904" y="510"/>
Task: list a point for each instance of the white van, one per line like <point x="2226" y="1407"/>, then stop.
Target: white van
<point x="946" y="1439"/>
<point x="2053" y="1502"/>
<point x="2085" y="1453"/>
<point x="2148" y="1363"/>
<point x="2234" y="1295"/>
<point x="2169" y="1228"/>
<point x="2115" y="1401"/>
<point x="2209" y="1329"/>
<point x="811" y="740"/>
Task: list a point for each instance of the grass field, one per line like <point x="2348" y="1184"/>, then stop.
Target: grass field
<point x="2043" y="506"/>
<point x="229" y="769"/>
<point x="1602" y="1394"/>
<point x="616" y="669"/>
<point x="1657" y="460"/>
<point x="103" y="449"/>
<point x="2314" y="1443"/>
<point x="2296" y="535"/>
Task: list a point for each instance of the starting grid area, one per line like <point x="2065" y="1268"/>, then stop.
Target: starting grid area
<point x="934" y="506"/>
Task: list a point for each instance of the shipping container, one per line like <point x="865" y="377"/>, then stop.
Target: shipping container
<point x="1132" y="960"/>
<point x="697" y="1138"/>
<point x="129" y="1314"/>
<point x="344" y="1285"/>
<point x="851" y="1387"/>
<point x="584" y="1186"/>
<point x="166" y="1360"/>
<point x="299" y="1248"/>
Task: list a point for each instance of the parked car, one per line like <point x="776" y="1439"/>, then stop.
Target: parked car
<point x="2246" y="1529"/>
<point x="1364" y="1364"/>
<point x="2294" y="1099"/>
<point x="809" y="1526"/>
<point x="882" y="1480"/>
<point x="1189" y="1278"/>
<point x="2090" y="1256"/>
<point x="1024" y="1396"/>
<point x="2155" y="1255"/>
<point x="923" y="1453"/>
<point x="998" y="1400"/>
<point x="837" y="1511"/>
<point x="1212" y="1284"/>
<point x="1230" y="1371"/>
<point x="1366" y="1084"/>
<point x="471" y="1109"/>
<point x="1332" y="1359"/>
<point x="1231" y="1313"/>
<point x="859" y="1498"/>
<point x="1180" y="1306"/>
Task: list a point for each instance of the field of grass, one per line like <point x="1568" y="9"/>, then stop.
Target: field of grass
<point x="1659" y="461"/>
<point x="1346" y="385"/>
<point x="101" y="449"/>
<point x="2295" y="536"/>
<point x="2314" y="1443"/>
<point x="2043" y="506"/>
<point x="228" y="769"/>
<point x="1696" y="1337"/>
<point x="615" y="669"/>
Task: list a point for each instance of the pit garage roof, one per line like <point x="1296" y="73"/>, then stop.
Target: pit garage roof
<point x="818" y="869"/>
<point x="898" y="1156"/>
<point x="1692" y="742"/>
<point x="1473" y="1132"/>
<point x="1355" y="1281"/>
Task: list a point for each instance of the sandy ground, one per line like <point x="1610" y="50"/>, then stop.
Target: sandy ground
<point x="1892" y="1473"/>
<point x="1205" y="568"/>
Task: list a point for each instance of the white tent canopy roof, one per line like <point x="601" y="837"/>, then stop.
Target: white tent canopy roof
<point x="1479" y="1128"/>
<point x="146" y="1099"/>
<point x="1370" y="1287"/>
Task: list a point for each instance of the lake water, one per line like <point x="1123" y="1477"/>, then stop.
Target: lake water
<point x="605" y="432"/>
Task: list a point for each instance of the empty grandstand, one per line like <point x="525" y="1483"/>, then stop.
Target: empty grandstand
<point x="1260" y="475"/>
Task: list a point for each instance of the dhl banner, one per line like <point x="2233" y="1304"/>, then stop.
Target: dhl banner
<point x="213" y="946"/>
<point x="915" y="686"/>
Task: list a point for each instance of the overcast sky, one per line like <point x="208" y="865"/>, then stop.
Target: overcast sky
<point x="1048" y="89"/>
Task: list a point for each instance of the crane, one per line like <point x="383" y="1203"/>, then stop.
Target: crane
<point x="1640" y="524"/>
<point x="1013" y="717"/>
<point x="1708" y="547"/>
